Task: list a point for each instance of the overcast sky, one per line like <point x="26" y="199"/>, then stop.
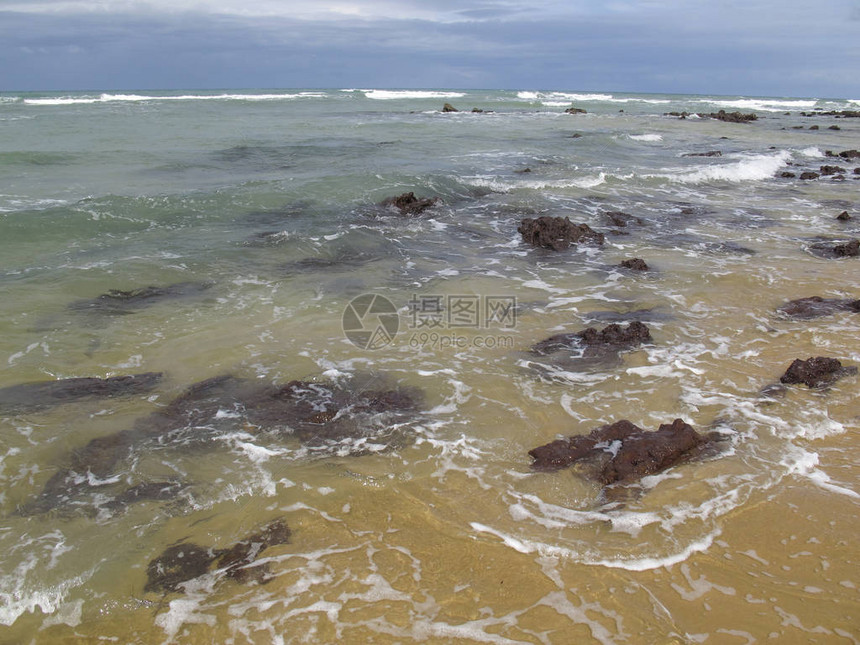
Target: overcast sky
<point x="749" y="47"/>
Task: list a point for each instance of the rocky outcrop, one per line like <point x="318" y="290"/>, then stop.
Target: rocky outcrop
<point x="831" y="170"/>
<point x="622" y="452"/>
<point x="575" y="110"/>
<point x="722" y="115"/>
<point x="30" y="397"/>
<point x="710" y="153"/>
<point x="184" y="562"/>
<point x="845" y="154"/>
<point x="809" y="175"/>
<point x="612" y="338"/>
<point x="409" y="204"/>
<point x="836" y="250"/>
<point x="816" y="372"/>
<point x="449" y="108"/>
<point x="816" y="307"/>
<point x="844" y="216"/>
<point x="621" y="219"/>
<point x="556" y="233"/>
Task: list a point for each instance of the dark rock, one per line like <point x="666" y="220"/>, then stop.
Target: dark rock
<point x="836" y="250"/>
<point x="843" y="216"/>
<point x="850" y="154"/>
<point x="30" y="397"/>
<point x="730" y="117"/>
<point x="181" y="563"/>
<point x="524" y="170"/>
<point x="710" y="153"/>
<point x="635" y="264"/>
<point x="409" y="204"/>
<point x="680" y="115"/>
<point x="449" y="108"/>
<point x="621" y="219"/>
<point x="836" y="113"/>
<point x="576" y="135"/>
<point x="787" y="175"/>
<point x="831" y="170"/>
<point x="813" y="127"/>
<point x="116" y="302"/>
<point x="575" y="110"/>
<point x="816" y="372"/>
<point x="834" y="127"/>
<point x="626" y="451"/>
<point x="809" y="175"/>
<point x="556" y="233"/>
<point x="613" y="337"/>
<point x="816" y="307"/>
<point x="857" y="171"/>
<point x="849" y="249"/>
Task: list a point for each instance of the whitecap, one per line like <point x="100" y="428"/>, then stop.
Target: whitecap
<point x="388" y="95"/>
<point x="747" y="168"/>
<point x="651" y="138"/>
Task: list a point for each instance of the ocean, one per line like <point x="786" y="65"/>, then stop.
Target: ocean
<point x="326" y="437"/>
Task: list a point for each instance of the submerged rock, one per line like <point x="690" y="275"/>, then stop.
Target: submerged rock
<point x="183" y="562"/>
<point x="731" y="117"/>
<point x="844" y="216"/>
<point x="449" y="108"/>
<point x="809" y="175"/>
<point x="709" y="153"/>
<point x="118" y="303"/>
<point x="409" y="204"/>
<point x="816" y="307"/>
<point x="622" y="452"/>
<point x="30" y="397"/>
<point x="816" y="372"/>
<point x="575" y="110"/>
<point x="845" y="154"/>
<point x="556" y="233"/>
<point x="354" y="417"/>
<point x="621" y="219"/>
<point x="831" y="170"/>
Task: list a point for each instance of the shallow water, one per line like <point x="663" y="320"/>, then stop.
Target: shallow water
<point x="445" y="535"/>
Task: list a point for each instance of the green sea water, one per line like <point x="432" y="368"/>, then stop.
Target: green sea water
<point x="434" y="529"/>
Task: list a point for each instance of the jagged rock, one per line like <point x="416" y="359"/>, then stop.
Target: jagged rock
<point x="816" y="372"/>
<point x="409" y="204"/>
<point x="183" y="562"/>
<point x="730" y="117"/>
<point x="449" y="108"/>
<point x="635" y="264"/>
<point x="613" y="337"/>
<point x="787" y="174"/>
<point x="836" y="250"/>
<point x="831" y="170"/>
<point x="116" y="302"/>
<point x="813" y="127"/>
<point x="623" y="452"/>
<point x="816" y="307"/>
<point x="844" y="216"/>
<point x="845" y="154"/>
<point x="30" y="397"/>
<point x="575" y="110"/>
<point x="809" y="175"/>
<point x="834" y="127"/>
<point x="710" y="153"/>
<point x="556" y="232"/>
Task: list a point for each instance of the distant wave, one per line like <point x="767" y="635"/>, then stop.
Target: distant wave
<point x="558" y="99"/>
<point x="763" y="105"/>
<point x="115" y="98"/>
<point x="387" y="95"/>
<point x="651" y="138"/>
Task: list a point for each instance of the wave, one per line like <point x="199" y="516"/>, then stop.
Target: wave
<point x="763" y="105"/>
<point x="652" y="138"/>
<point x="748" y="168"/>
<point x="136" y="98"/>
<point x="560" y="99"/>
<point x="502" y="186"/>
<point x="388" y="95"/>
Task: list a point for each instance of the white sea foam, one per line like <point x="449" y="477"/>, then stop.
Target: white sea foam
<point x="502" y="186"/>
<point x="746" y="168"/>
<point x="560" y="99"/>
<point x="651" y="138"/>
<point x="388" y="95"/>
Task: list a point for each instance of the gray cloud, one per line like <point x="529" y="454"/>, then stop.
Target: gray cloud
<point x="784" y="48"/>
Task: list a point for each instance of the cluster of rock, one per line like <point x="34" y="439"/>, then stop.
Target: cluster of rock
<point x="722" y="115"/>
<point x="845" y="114"/>
<point x="409" y="204"/>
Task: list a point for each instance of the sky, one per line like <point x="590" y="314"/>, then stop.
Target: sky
<point x="732" y="47"/>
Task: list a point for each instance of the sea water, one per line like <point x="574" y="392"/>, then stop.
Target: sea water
<point x="271" y="200"/>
